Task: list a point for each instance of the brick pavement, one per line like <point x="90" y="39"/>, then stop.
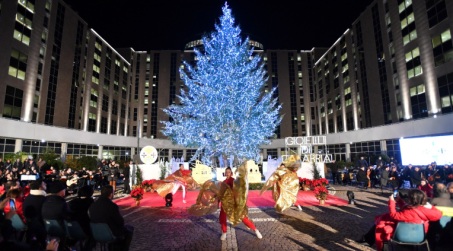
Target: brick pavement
<point x="315" y="228"/>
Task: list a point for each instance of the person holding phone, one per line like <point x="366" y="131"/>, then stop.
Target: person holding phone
<point x="414" y="208"/>
<point x="15" y="202"/>
<point x="395" y="193"/>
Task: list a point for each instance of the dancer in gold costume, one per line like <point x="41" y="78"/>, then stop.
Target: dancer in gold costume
<point x="185" y="176"/>
<point x="232" y="193"/>
<point x="179" y="179"/>
<point x="285" y="184"/>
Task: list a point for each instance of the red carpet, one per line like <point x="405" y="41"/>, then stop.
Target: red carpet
<point x="304" y="198"/>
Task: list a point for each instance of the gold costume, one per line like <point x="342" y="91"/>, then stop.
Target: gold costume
<point x="285" y="184"/>
<point x="234" y="200"/>
<point x="185" y="176"/>
<point x="164" y="187"/>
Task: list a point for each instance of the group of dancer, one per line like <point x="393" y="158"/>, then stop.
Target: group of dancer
<point x="231" y="194"/>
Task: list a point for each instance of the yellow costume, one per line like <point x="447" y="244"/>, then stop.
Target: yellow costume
<point x="285" y="184"/>
<point x="185" y="176"/>
<point x="234" y="200"/>
<point x="166" y="186"/>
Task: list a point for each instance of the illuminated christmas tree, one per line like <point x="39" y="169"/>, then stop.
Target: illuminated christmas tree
<point x="225" y="109"/>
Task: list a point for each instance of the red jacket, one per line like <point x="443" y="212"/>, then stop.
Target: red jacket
<point x="229" y="181"/>
<point x="386" y="223"/>
<point x="428" y="189"/>
<point x="19" y="210"/>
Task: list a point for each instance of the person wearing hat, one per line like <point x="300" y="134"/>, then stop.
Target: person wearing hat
<point x="32" y="210"/>
<point x="104" y="210"/>
<point x="54" y="206"/>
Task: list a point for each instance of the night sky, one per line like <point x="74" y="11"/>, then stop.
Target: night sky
<point x="166" y="24"/>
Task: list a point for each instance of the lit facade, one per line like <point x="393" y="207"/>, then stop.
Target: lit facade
<point x="394" y="64"/>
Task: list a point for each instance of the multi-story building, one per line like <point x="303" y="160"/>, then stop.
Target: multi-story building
<point x="62" y="86"/>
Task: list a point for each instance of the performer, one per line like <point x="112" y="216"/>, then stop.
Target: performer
<point x="167" y="188"/>
<point x="285" y="184"/>
<point x="185" y="176"/>
<point x="232" y="193"/>
<point x="179" y="179"/>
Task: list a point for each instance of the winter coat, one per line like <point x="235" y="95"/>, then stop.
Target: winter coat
<point x="386" y="223"/>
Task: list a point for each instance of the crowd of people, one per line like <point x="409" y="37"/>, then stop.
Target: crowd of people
<point x="33" y="193"/>
<point x="421" y="194"/>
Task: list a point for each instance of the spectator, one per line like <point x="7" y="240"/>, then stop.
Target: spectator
<point x="414" y="209"/>
<point x="439" y="236"/>
<point x="406" y="175"/>
<point x="448" y="174"/>
<point x="362" y="176"/>
<point x="363" y="162"/>
<point x="32" y="211"/>
<point x="379" y="162"/>
<point x="79" y="208"/>
<point x="54" y="206"/>
<point x="443" y="198"/>
<point x="427" y="188"/>
<point x="394" y="178"/>
<point x="416" y="177"/>
<point x="384" y="176"/>
<point x="15" y="203"/>
<point x="450" y="189"/>
<point x="80" y="205"/>
<point x="103" y="210"/>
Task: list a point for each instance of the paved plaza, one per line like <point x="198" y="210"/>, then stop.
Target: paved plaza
<point x="315" y="228"/>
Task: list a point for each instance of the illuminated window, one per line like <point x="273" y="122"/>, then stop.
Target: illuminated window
<point x="28" y="4"/>
<point x="408" y="20"/>
<point x="48" y="5"/>
<point x="347" y="90"/>
<point x="94" y="98"/>
<point x="98" y="45"/>
<point x="17" y="64"/>
<point x="442" y="48"/>
<point x="410" y="37"/>
<point x="413" y="63"/>
<point x="97" y="57"/>
<point x="94" y="79"/>
<point x="404" y="4"/>
<point x="416" y="90"/>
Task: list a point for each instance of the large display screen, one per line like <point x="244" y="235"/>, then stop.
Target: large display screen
<point x="422" y="151"/>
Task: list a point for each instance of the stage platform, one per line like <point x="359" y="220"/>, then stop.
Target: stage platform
<point x="304" y="198"/>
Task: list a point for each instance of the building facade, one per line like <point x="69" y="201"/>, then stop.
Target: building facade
<point x="393" y="66"/>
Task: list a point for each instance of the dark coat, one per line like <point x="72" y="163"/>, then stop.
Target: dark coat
<point x="33" y="213"/>
<point x="103" y="210"/>
<point x="79" y="207"/>
<point x="361" y="176"/>
<point x="32" y="207"/>
<point x="55" y="208"/>
<point x="416" y="176"/>
<point x="126" y="172"/>
<point x="113" y="173"/>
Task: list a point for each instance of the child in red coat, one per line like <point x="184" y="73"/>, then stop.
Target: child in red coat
<point x="427" y="188"/>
